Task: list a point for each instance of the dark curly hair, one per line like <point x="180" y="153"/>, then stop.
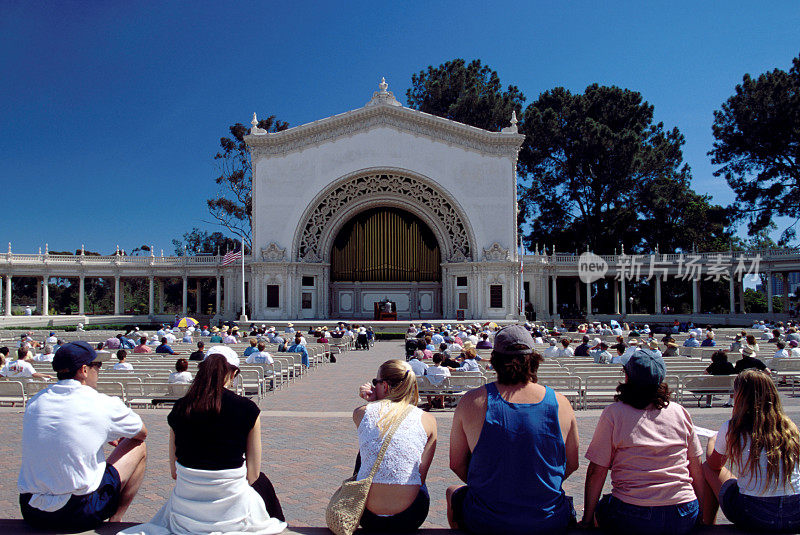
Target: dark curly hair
<point x="642" y="396"/>
<point x="516" y="369"/>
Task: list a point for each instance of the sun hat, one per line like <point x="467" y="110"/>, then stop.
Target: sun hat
<point x="227" y="352"/>
<point x="653" y="344"/>
<point x="645" y="367"/>
<point x="72" y="356"/>
<point x="513" y="340"/>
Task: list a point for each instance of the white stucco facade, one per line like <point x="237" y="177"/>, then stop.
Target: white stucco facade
<point x="310" y="180"/>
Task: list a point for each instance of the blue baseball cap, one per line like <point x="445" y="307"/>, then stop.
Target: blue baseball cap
<point x="72" y="356"/>
<point x="645" y="367"/>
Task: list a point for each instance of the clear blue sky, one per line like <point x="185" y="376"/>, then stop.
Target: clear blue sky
<point x="111" y="112"/>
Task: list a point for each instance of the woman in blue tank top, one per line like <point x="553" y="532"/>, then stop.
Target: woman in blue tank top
<point x="513" y="443"/>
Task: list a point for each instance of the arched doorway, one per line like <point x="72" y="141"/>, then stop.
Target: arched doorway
<point x="385" y="253"/>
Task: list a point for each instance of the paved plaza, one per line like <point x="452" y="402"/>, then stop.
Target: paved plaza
<point x="310" y="443"/>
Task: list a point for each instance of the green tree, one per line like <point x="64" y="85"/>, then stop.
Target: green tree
<point x="471" y="94"/>
<point x="201" y="242"/>
<point x="757" y="145"/>
<point x="232" y="207"/>
<point x="604" y="175"/>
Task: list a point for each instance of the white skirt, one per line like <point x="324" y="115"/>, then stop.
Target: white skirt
<point x="211" y="502"/>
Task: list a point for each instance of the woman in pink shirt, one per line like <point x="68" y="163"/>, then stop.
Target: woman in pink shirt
<point x="653" y="453"/>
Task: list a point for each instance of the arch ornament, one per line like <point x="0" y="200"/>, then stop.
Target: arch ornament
<point x="396" y="187"/>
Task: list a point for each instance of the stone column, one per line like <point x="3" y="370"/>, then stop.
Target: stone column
<point x="740" y="285"/>
<point x="219" y="295"/>
<point x="695" y="296"/>
<point x="151" y="295"/>
<point x="45" y="295"/>
<point x="2" y="302"/>
<point x="658" y="296"/>
<point x="555" y="295"/>
<point x="81" y="295"/>
<point x="39" y="296"/>
<point x="732" y="295"/>
<point x="578" y="294"/>
<point x="160" y="296"/>
<point x="8" y="295"/>
<point x="185" y="295"/>
<point x="769" y="292"/>
<point x="116" y="295"/>
<point x="622" y="299"/>
<point x="615" y="284"/>
<point x="785" y="280"/>
<point x="588" y="299"/>
<point x="198" y="305"/>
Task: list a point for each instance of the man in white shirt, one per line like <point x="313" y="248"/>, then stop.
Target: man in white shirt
<point x="52" y="339"/>
<point x="437" y="373"/>
<point x="122" y="365"/>
<point x="417" y="366"/>
<point x="565" y="351"/>
<point x="552" y="351"/>
<point x="21" y="369"/>
<point x="170" y="337"/>
<point x="261" y="356"/>
<point x="46" y="355"/>
<point x="65" y="483"/>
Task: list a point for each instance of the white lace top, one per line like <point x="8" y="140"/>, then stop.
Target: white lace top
<point x="400" y="465"/>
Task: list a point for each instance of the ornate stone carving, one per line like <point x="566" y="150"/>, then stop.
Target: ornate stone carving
<point x="495" y="253"/>
<point x="255" y="130"/>
<point x="417" y="191"/>
<point x="273" y="253"/>
<point x="369" y="117"/>
<point x="383" y="97"/>
<point x="458" y="256"/>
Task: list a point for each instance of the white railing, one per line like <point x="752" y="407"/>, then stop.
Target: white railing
<point x="765" y="255"/>
<point x="14" y="259"/>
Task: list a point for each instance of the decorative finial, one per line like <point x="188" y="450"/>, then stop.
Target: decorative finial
<point x="152" y="251"/>
<point x="117" y="251"/>
<point x="9" y="247"/>
<point x="623" y="249"/>
<point x="46" y="249"/>
<point x="162" y="253"/>
<point x="40" y="251"/>
<point x="383" y="96"/>
<point x="82" y="250"/>
<point x="383" y="85"/>
<point x="256" y="130"/>
<point x="513" y="128"/>
<point x="536" y="251"/>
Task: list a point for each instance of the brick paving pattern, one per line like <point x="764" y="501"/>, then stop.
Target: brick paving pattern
<point x="310" y="443"/>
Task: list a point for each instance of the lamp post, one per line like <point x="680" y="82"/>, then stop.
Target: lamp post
<point x="630" y="303"/>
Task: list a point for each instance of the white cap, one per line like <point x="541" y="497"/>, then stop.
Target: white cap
<point x="227" y="352"/>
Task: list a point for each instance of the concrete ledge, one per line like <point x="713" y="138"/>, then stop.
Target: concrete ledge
<point x="14" y="527"/>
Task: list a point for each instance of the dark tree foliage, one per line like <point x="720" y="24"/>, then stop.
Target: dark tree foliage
<point x="757" y="145"/>
<point x="233" y="205"/>
<point x="603" y="175"/>
<point x="201" y="242"/>
<point x="470" y="94"/>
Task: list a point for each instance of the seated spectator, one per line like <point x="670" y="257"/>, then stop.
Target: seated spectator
<point x="751" y="341"/>
<point x="362" y="342"/>
<point x="3" y="355"/>
<point x="417" y="366"/>
<point x="205" y="331"/>
<point x="709" y="341"/>
<point x="22" y="368"/>
<point x="794" y="350"/>
<point x="469" y="364"/>
<point x="748" y="361"/>
<point x="691" y="341"/>
<point x="736" y="345"/>
<point x="564" y="351"/>
<point x="78" y="488"/>
<point x="629" y="351"/>
<point x="112" y="343"/>
<point x="437" y="373"/>
<point x="187" y="337"/>
<point x="122" y="365"/>
<point x="671" y="349"/>
<point x="215" y="337"/>
<point x="398" y="499"/>
<point x="51" y="339"/>
<point x="142" y="347"/>
<point x="252" y="349"/>
<point x="230" y="337"/>
<point x="322" y="336"/>
<point x="552" y="351"/>
<point x="762" y="445"/>
<point x="199" y="354"/>
<point x="653" y="453"/>
<point x="583" y="349"/>
<point x="600" y="353"/>
<point x="46" y="355"/>
<point x="164" y="348"/>
<point x="125" y="342"/>
<point x="181" y="373"/>
<point x="448" y="361"/>
<point x="502" y="446"/>
<point x="215" y="460"/>
<point x="297" y="347"/>
<point x="261" y="356"/>
<point x="780" y="353"/>
<point x="170" y="337"/>
<point x="719" y="366"/>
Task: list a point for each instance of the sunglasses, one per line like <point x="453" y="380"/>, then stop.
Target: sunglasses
<point x="376" y="380"/>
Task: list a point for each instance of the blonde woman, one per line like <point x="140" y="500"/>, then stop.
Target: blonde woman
<point x="762" y="446"/>
<point x="398" y="499"/>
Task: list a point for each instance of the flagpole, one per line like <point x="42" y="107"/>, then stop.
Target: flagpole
<point x="244" y="317"/>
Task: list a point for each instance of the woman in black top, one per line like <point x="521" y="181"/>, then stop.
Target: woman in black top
<point x="215" y="458"/>
<point x="719" y="366"/>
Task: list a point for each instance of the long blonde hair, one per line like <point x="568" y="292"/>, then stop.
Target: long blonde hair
<point x="758" y="415"/>
<point x="403" y="391"/>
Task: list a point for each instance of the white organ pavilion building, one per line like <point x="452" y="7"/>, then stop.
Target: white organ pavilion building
<point x="384" y="203"/>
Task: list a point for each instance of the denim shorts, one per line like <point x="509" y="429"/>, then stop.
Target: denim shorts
<point x="409" y="520"/>
<point x="82" y="512"/>
<point x="773" y="514"/>
<point x="615" y="516"/>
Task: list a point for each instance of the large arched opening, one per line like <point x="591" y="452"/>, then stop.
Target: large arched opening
<point x="385" y="253"/>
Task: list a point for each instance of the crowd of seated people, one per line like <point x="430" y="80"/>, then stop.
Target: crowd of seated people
<point x="644" y="439"/>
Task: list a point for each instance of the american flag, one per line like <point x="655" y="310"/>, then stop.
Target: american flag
<point x="231" y="257"/>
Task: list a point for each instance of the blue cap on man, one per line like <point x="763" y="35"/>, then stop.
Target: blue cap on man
<point x="72" y="356"/>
